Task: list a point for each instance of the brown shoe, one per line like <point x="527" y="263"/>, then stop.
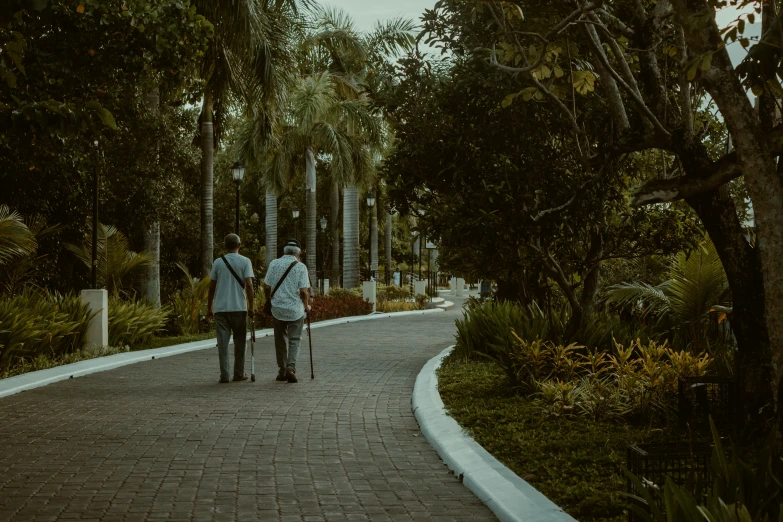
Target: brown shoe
<point x="243" y="378"/>
<point x="282" y="375"/>
<point x="291" y="376"/>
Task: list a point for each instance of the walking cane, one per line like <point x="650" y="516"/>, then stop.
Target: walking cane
<point x="252" y="349"/>
<point x="310" y="338"/>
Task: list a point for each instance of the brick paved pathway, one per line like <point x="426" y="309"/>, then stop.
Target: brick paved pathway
<point x="162" y="440"/>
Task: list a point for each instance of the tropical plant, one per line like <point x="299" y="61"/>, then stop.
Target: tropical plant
<point x="683" y="303"/>
<point x="190" y="303"/>
<point x="16" y="239"/>
<point x="34" y="323"/>
<point x="739" y="491"/>
<point x="27" y="269"/>
<point x="118" y="265"/>
<point x="134" y="323"/>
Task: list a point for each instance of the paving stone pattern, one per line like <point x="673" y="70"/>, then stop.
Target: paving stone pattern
<point x="162" y="440"/>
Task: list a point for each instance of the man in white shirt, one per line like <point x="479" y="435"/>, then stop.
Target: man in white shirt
<point x="232" y="279"/>
<point x="290" y="303"/>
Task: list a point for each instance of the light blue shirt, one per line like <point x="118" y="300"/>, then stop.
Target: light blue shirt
<point x="286" y="303"/>
<point x="229" y="296"/>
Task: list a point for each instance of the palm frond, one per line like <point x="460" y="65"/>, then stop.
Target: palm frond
<point x="392" y="37"/>
<point x="16" y="239"/>
<point x="640" y="297"/>
<point x="698" y="282"/>
<point x="117" y="263"/>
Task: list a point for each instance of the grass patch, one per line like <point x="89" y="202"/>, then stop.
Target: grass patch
<point x="160" y="342"/>
<point x="573" y="461"/>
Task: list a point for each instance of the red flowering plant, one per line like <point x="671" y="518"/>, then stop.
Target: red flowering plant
<point x="325" y="307"/>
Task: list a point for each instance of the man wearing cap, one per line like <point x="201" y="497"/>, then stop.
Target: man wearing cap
<point x="232" y="281"/>
<point x="291" y="301"/>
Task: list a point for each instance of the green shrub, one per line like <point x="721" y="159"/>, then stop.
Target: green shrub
<point x="190" y="303"/>
<point x="396" y="306"/>
<point x="392" y="293"/>
<point x="336" y="291"/>
<point x="133" y="324"/>
<point x="487" y="328"/>
<point x="36" y="323"/>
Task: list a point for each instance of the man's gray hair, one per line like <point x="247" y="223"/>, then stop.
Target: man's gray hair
<point x="291" y="250"/>
<point x="231" y="241"/>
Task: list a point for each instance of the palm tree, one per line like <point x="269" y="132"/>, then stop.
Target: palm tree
<point x="151" y="282"/>
<point x="247" y="59"/>
<point x="696" y="286"/>
<point x="317" y="122"/>
<point x="350" y="56"/>
<point x="256" y="138"/>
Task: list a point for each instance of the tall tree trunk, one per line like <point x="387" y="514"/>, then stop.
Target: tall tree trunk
<point x="350" y="236"/>
<point x="151" y="286"/>
<point x="374" y="239"/>
<point x="271" y="226"/>
<point x="743" y="271"/>
<point x="387" y="236"/>
<point x="759" y="168"/>
<point x="334" y="231"/>
<point x="152" y="275"/>
<point x="312" y="215"/>
<point x="207" y="187"/>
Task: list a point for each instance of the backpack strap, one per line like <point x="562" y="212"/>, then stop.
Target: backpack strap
<point x="282" y="279"/>
<point x="230" y="269"/>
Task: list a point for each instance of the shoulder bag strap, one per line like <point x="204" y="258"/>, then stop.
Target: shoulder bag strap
<point x="282" y="279"/>
<point x="239" y="280"/>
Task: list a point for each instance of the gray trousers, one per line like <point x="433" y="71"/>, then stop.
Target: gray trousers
<point x="228" y="324"/>
<point x="287" y="337"/>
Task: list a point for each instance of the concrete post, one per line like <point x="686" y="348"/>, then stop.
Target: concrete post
<point x="326" y="286"/>
<point x="460" y="287"/>
<point x="453" y="285"/>
<point x="98" y="329"/>
<point x="369" y="292"/>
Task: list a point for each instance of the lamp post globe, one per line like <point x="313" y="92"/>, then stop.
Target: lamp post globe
<point x="295" y="215"/>
<point x="238" y="171"/>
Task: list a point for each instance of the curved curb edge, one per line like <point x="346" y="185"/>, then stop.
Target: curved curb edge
<point x="36" y="379"/>
<point x="509" y="497"/>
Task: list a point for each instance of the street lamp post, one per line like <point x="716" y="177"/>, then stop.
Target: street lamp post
<point x="238" y="173"/>
<point x="295" y="215"/>
<point x="323" y="234"/>
<point x="97" y="180"/>
<point x="370" y="205"/>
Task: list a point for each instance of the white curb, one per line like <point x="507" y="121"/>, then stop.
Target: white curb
<point x="28" y="381"/>
<point x="509" y="497"/>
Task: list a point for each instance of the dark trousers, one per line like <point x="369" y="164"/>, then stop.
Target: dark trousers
<point x="228" y="324"/>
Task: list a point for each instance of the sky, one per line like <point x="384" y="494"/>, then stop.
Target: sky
<point x="366" y="12"/>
